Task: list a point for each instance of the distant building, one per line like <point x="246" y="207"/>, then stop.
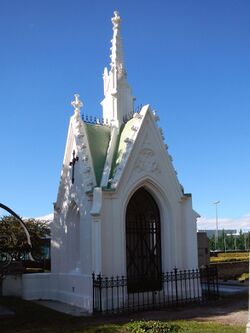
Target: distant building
<point x="203" y="248"/>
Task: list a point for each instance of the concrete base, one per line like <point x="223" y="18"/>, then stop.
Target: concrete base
<point x="73" y="288"/>
<point x="248" y="327"/>
<point x="12" y="285"/>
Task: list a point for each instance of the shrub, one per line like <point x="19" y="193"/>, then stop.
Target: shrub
<point x="151" y="327"/>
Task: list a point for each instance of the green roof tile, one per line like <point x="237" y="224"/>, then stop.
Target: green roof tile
<point x="125" y="131"/>
<point x="98" y="138"/>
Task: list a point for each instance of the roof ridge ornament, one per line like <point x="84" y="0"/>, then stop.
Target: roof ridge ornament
<point x="116" y="20"/>
<point x="77" y="104"/>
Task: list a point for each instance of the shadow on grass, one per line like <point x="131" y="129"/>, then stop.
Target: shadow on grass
<point x="33" y="318"/>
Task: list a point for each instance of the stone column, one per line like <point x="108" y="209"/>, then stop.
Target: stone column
<point x="96" y="246"/>
<point x="96" y="231"/>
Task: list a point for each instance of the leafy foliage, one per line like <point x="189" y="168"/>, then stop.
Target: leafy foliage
<point x="152" y="327"/>
<point x="14" y="240"/>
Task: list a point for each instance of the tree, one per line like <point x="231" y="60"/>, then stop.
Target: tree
<point x="212" y="243"/>
<point x="241" y="241"/>
<point x="13" y="240"/>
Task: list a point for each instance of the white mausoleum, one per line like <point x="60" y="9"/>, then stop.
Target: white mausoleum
<point x="120" y="208"/>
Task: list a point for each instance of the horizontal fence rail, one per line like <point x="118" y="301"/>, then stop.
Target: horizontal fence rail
<point x="110" y="295"/>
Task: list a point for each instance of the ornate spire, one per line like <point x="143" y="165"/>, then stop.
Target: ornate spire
<point x="118" y="102"/>
<point x="116" y="56"/>
<point x="77" y="104"/>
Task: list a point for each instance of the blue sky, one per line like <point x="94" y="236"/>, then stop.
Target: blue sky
<point x="188" y="59"/>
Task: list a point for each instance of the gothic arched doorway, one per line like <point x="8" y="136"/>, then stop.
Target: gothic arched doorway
<point x="143" y="243"/>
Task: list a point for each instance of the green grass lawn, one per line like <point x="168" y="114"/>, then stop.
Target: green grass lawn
<point x="31" y="317"/>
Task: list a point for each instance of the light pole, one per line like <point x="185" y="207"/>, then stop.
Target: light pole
<point x="216" y="220"/>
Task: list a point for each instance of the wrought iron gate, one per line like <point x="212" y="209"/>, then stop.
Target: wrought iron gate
<point x="143" y="243"/>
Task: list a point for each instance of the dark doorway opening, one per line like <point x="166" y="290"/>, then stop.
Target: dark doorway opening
<point x="143" y="243"/>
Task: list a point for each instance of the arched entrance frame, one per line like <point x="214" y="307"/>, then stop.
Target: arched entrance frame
<point x="166" y="218"/>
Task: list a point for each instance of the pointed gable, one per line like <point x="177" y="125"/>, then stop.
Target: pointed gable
<point x="142" y="150"/>
<point x="128" y="133"/>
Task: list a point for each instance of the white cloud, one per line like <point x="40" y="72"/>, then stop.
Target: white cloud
<point x="46" y="217"/>
<point x="242" y="223"/>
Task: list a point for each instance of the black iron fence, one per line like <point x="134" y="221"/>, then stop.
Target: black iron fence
<point x="110" y="295"/>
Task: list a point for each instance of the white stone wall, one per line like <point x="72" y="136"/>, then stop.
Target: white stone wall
<point x="74" y="289"/>
<point x="12" y="285"/>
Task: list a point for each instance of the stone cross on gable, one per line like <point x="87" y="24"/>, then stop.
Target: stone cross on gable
<point x="77" y="104"/>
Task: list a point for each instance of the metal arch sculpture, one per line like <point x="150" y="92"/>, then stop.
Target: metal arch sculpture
<point x="8" y="258"/>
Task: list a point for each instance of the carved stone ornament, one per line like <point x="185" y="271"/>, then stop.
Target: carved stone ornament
<point x="137" y="115"/>
<point x="147" y="161"/>
<point x="57" y="208"/>
<point x="77" y="104"/>
<point x="116" y="20"/>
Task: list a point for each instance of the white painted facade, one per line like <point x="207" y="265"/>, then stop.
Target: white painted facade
<point x="89" y="227"/>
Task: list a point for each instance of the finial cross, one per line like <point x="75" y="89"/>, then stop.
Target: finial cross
<point x="116" y="20"/>
<point x="77" y="103"/>
<point x="72" y="163"/>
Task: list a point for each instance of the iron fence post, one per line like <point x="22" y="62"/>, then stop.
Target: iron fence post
<point x="176" y="283"/>
<point x="93" y="289"/>
<point x="217" y="282"/>
<point x="99" y="278"/>
<point x="208" y="281"/>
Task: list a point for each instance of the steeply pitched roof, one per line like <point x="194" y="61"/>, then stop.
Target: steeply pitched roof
<point x="125" y="131"/>
<point x="98" y="138"/>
